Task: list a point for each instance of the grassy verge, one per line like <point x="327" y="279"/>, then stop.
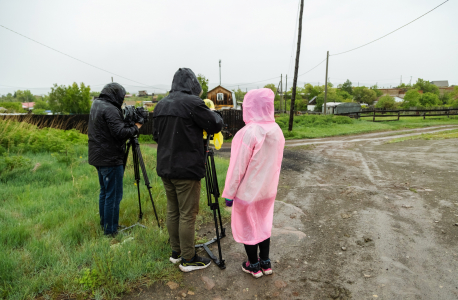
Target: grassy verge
<point x="316" y="126"/>
<point x="51" y="243"/>
<point x="449" y="134"/>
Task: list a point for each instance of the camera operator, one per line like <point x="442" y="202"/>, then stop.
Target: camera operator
<point x="108" y="134"/>
<point x="179" y="121"/>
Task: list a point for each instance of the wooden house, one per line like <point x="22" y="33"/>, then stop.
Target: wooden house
<point x="222" y="98"/>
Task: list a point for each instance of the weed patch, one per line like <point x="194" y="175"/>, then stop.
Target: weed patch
<point x="51" y="243"/>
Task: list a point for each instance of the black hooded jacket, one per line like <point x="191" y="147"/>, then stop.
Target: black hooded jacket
<point x="179" y="120"/>
<point x="106" y="130"/>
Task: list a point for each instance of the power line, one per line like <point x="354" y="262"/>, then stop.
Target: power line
<point x="78" y="59"/>
<point x="313" y="67"/>
<point x="391" y="31"/>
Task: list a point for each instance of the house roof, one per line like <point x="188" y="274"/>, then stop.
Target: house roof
<point x="220" y="87"/>
<point x="440" y="83"/>
<point x="313" y="101"/>
<point x="28" y="104"/>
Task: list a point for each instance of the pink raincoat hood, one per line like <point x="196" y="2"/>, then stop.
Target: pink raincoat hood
<point x="258" y="106"/>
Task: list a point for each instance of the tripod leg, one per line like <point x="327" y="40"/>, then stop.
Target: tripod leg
<point x="137" y="180"/>
<point x="216" y="191"/>
<point x="145" y="177"/>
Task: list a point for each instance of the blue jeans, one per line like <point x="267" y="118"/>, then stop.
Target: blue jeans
<point x="110" y="179"/>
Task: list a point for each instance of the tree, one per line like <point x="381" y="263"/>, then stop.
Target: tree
<point x="429" y="99"/>
<point x="347" y="87"/>
<point x="72" y="99"/>
<point x="364" y="95"/>
<point x="24" y="96"/>
<point x="204" y="83"/>
<point x="272" y="87"/>
<point x="411" y="99"/>
<point x="426" y="86"/>
<point x="386" y="102"/>
<point x="311" y="91"/>
<point x="239" y="94"/>
<point x="376" y="90"/>
<point x="40" y="105"/>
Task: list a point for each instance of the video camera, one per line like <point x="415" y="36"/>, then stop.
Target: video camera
<point x="135" y="115"/>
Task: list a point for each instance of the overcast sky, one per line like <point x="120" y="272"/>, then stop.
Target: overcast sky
<point x="147" y="41"/>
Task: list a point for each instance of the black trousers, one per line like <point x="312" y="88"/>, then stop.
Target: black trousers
<point x="252" y="251"/>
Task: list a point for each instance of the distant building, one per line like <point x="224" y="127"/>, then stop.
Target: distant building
<point x="311" y="105"/>
<point x="222" y="98"/>
<point x="330" y="107"/>
<point x="127" y="96"/>
<point x="440" y="83"/>
<point x="142" y="94"/>
<point x="28" y="105"/>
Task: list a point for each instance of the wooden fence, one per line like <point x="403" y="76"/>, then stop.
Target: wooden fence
<point x="233" y="120"/>
<point x="397" y="114"/>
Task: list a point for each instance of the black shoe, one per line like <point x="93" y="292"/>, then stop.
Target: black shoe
<point x="196" y="263"/>
<point x="253" y="269"/>
<point x="266" y="266"/>
<point x="175" y="258"/>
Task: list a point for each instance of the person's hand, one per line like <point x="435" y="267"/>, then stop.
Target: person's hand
<point x="138" y="125"/>
<point x="229" y="202"/>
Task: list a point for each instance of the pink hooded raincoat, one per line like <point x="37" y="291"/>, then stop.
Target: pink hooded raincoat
<point x="254" y="169"/>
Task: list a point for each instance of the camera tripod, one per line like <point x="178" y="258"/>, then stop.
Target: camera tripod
<point x="211" y="183"/>
<point x="138" y="163"/>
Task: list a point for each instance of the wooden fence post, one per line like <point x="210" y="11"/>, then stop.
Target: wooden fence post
<point x="373" y="120"/>
<point x="399" y="115"/>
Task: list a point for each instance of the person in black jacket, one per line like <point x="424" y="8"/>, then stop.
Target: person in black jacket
<point x="179" y="121"/>
<point x="108" y="134"/>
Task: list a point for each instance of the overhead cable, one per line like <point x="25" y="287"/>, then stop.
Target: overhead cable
<point x="78" y="59"/>
<point x="390" y="32"/>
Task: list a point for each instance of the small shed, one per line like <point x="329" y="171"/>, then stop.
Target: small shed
<point x="222" y="98"/>
<point x="311" y="105"/>
<point x="440" y="83"/>
<point x="142" y="94"/>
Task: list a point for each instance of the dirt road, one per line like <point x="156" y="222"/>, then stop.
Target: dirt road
<point x="353" y="220"/>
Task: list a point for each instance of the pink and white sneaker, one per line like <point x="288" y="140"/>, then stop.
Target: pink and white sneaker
<point x="266" y="267"/>
<point x="253" y="269"/>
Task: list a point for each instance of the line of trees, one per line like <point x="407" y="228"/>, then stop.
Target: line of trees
<point x="72" y="99"/>
<point x="420" y="94"/>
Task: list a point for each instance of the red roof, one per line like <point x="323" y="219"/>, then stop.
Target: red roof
<point x="28" y="104"/>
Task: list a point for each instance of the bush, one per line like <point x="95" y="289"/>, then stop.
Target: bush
<point x="313" y="121"/>
<point x="23" y="137"/>
<point x="38" y="111"/>
<point x="429" y="99"/>
<point x="411" y="99"/>
<point x="386" y="102"/>
<point x="13" y="107"/>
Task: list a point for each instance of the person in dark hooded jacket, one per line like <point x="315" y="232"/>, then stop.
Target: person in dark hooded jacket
<point x="108" y="134"/>
<point x="179" y="121"/>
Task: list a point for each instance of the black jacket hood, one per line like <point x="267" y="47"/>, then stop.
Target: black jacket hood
<point x="113" y="93"/>
<point x="186" y="81"/>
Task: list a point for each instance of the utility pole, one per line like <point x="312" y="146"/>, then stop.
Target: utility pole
<point x="296" y="69"/>
<point x="401" y="80"/>
<point x="410" y="83"/>
<point x="112" y="79"/>
<point x="326" y="83"/>
<point x="286" y="89"/>
<point x="220" y="72"/>
<point x="281" y="91"/>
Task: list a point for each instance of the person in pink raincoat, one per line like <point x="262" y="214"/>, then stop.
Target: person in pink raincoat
<point x="252" y="179"/>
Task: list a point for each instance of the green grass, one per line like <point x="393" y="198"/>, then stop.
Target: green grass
<point x="317" y="126"/>
<point x="51" y="243"/>
<point x="448" y="134"/>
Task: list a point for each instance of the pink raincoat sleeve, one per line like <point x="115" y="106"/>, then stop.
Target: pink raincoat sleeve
<point x="240" y="158"/>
